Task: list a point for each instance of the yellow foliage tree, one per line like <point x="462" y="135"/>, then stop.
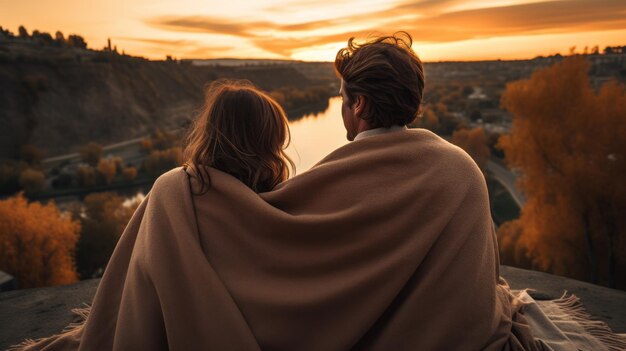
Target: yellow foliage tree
<point x="107" y="169"/>
<point x="86" y="176"/>
<point x="160" y="161"/>
<point x="37" y="243"/>
<point x="146" y="145"/>
<point x="568" y="142"/>
<point x="130" y="173"/>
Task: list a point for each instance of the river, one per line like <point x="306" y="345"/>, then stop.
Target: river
<point x="316" y="135"/>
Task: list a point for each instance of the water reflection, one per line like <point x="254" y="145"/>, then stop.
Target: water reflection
<point x="316" y="135"/>
<point x="314" y="109"/>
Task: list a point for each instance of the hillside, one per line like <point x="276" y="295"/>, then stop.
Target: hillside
<point x="58" y="94"/>
<point x="58" y="98"/>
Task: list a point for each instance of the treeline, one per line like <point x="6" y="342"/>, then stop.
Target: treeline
<point x="290" y="98"/>
<point x="44" y="38"/>
<point x="160" y="152"/>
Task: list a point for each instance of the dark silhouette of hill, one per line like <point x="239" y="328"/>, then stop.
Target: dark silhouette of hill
<point x="59" y="96"/>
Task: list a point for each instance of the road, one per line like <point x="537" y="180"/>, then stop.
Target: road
<point x="126" y="149"/>
<point x="508" y="179"/>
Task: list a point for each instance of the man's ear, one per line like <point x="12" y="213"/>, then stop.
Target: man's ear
<point x="359" y="105"/>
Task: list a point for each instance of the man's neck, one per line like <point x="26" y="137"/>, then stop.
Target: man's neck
<point x="377" y="131"/>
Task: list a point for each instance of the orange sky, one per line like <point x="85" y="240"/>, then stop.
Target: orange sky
<point x="316" y="29"/>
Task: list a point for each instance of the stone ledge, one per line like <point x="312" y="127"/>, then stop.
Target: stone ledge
<point x="35" y="313"/>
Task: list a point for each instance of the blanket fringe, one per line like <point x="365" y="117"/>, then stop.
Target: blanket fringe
<point x="598" y="329"/>
<point x="81" y="312"/>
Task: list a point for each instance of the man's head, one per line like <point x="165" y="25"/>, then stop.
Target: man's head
<point x="382" y="82"/>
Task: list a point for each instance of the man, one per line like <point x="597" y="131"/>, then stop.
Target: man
<point x="382" y="83"/>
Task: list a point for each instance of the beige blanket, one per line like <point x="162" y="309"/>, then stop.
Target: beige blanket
<point x="386" y="244"/>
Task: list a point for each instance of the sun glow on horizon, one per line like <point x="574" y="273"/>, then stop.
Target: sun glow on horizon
<point x="446" y="30"/>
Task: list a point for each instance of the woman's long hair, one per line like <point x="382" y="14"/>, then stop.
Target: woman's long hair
<point x="241" y="131"/>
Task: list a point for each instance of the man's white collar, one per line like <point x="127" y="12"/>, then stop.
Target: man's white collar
<point x="377" y="131"/>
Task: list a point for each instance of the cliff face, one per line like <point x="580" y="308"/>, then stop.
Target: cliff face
<point x="57" y="99"/>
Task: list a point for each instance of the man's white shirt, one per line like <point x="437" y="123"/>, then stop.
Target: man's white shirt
<point x="377" y="131"/>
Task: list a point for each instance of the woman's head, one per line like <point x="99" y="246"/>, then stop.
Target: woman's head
<point x="241" y="131"/>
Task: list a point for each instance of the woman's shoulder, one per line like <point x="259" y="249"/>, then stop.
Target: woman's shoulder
<point x="169" y="180"/>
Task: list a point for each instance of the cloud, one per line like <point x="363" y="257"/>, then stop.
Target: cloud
<point x="215" y="25"/>
<point x="207" y="24"/>
<point x="549" y="16"/>
<point x="188" y="48"/>
<point x="165" y="42"/>
<point x="426" y="20"/>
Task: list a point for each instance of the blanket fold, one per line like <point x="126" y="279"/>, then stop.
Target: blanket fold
<point x="385" y="244"/>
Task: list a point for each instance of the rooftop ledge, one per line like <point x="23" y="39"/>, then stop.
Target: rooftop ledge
<point x="35" y="313"/>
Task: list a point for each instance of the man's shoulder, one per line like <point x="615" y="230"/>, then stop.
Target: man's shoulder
<point x="425" y="141"/>
<point x="432" y="148"/>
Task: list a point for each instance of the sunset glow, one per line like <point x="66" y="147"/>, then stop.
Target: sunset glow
<point x="315" y="30"/>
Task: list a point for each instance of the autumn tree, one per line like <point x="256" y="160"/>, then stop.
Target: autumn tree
<point x="31" y="154"/>
<point x="437" y="118"/>
<point x="568" y="142"/>
<point x="146" y="145"/>
<point x="118" y="162"/>
<point x="107" y="169"/>
<point x="129" y="173"/>
<point x="160" y="161"/>
<point x="37" y="243"/>
<point x="91" y="153"/>
<point x="103" y="218"/>
<point x="474" y="142"/>
<point x="427" y="120"/>
<point x="85" y="176"/>
<point x="32" y="180"/>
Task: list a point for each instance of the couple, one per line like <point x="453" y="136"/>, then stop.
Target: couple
<point x="385" y="244"/>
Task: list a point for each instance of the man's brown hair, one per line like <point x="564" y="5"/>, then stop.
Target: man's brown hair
<point x="388" y="74"/>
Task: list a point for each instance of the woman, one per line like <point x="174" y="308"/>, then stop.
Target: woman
<point x="243" y="132"/>
<point x="240" y="131"/>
